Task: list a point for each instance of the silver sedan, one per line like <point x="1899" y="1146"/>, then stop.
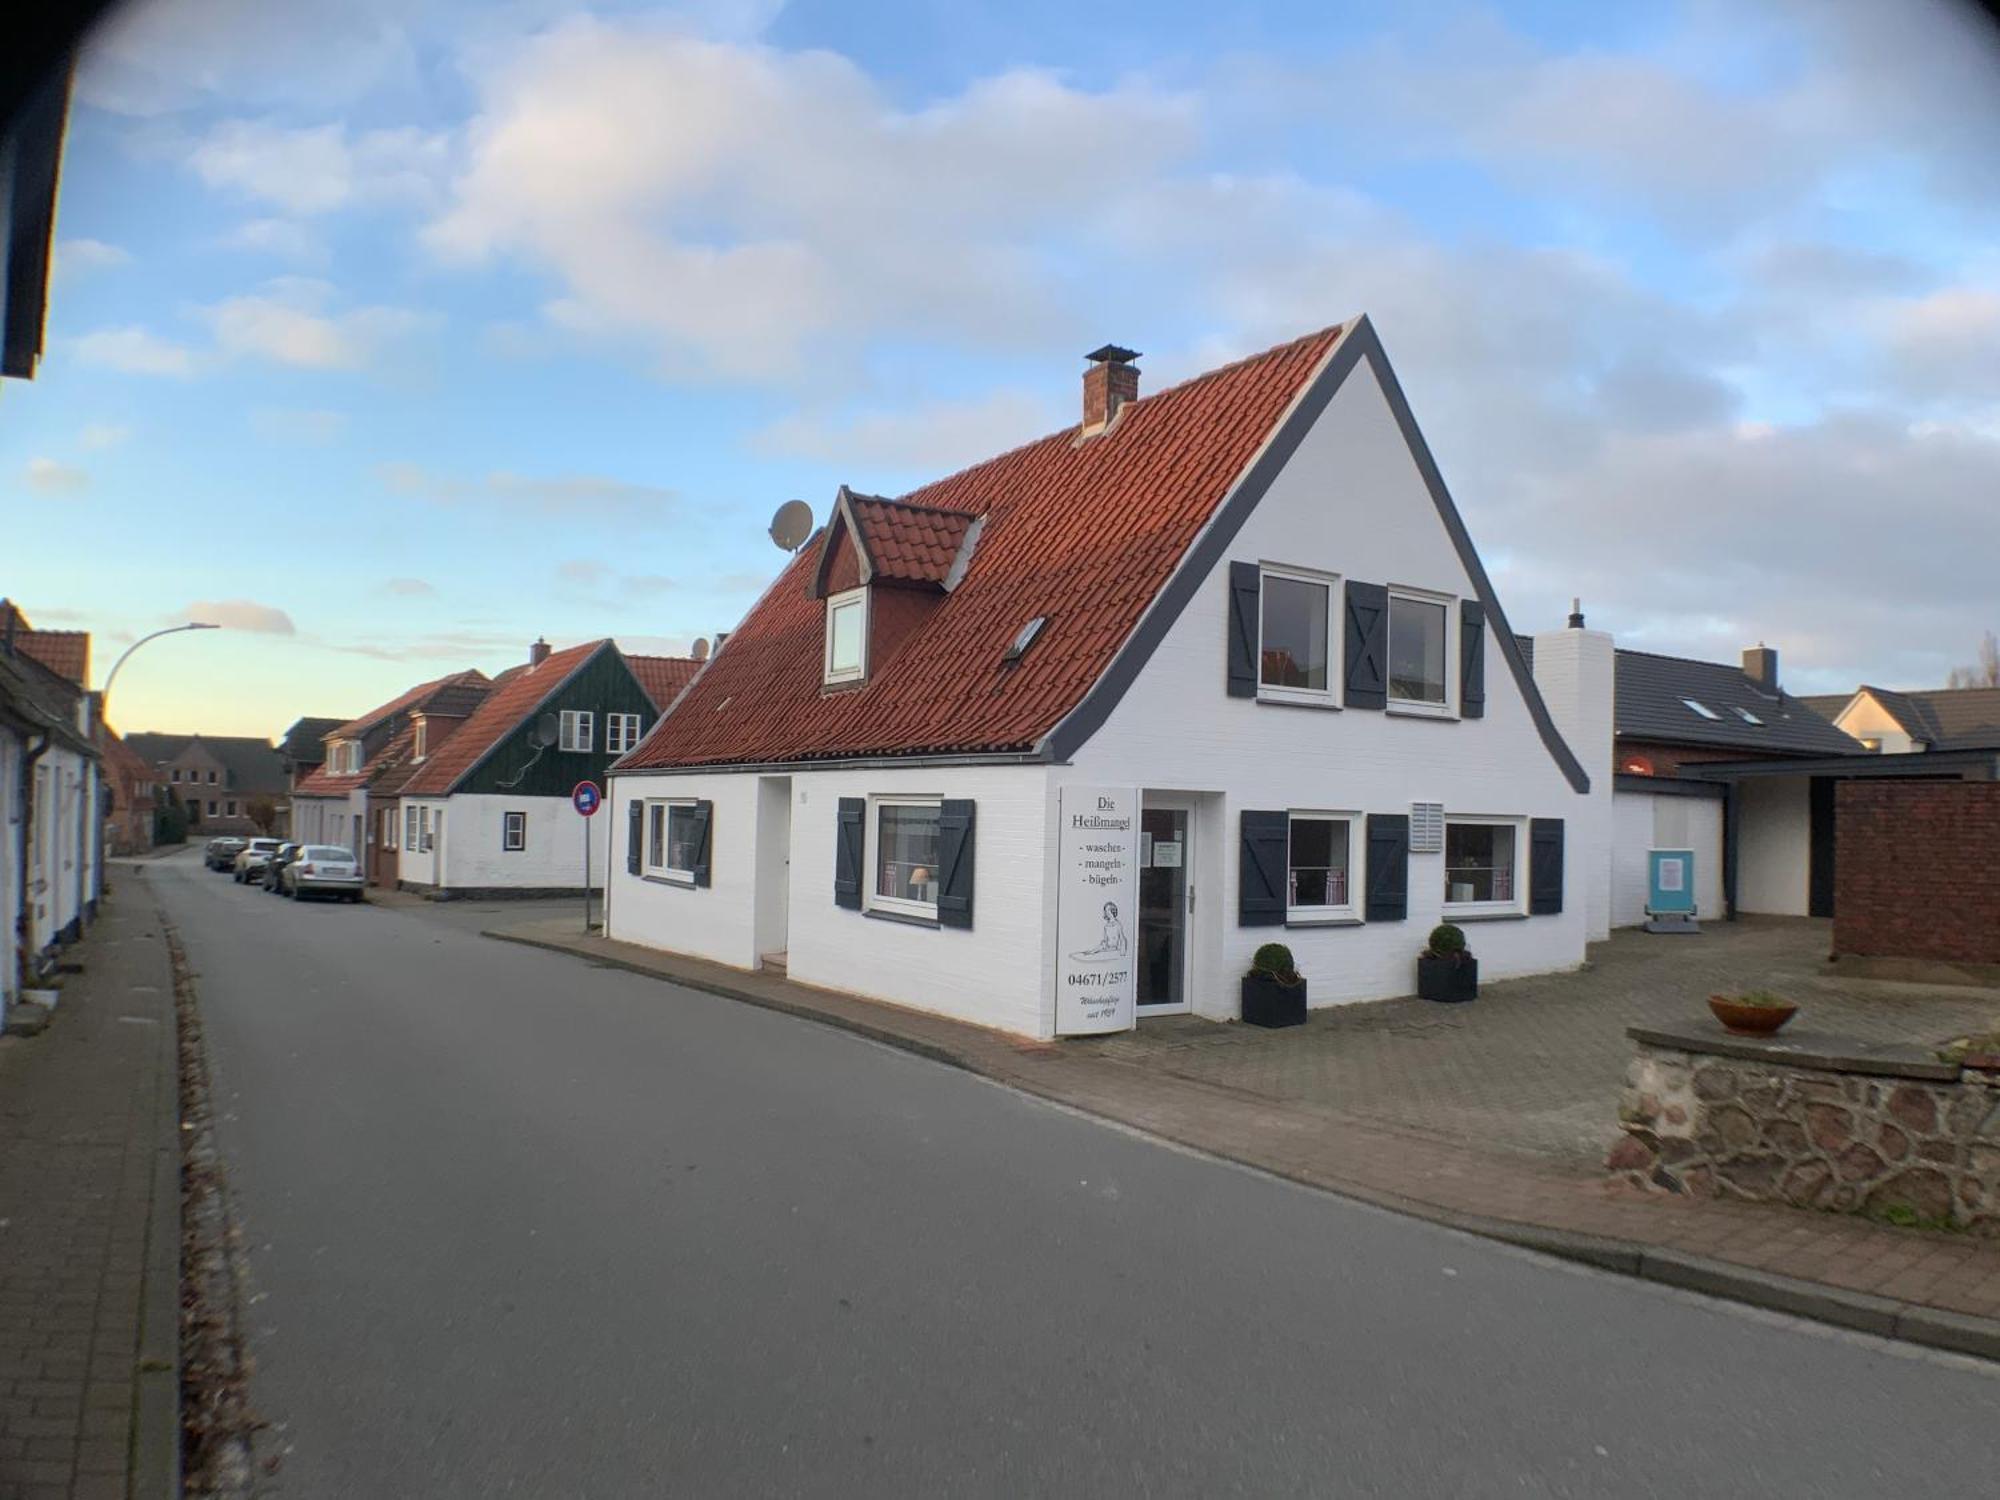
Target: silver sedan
<point x="323" y="870"/>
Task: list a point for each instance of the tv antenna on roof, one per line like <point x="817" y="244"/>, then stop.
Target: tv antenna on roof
<point x="792" y="525"/>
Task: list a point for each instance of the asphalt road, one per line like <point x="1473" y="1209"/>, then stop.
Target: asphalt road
<point x="521" y="1226"/>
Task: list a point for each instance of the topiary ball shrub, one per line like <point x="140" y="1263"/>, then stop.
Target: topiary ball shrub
<point x="1275" y="959"/>
<point x="1447" y="940"/>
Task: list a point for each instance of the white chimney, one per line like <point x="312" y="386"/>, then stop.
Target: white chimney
<point x="1576" y="670"/>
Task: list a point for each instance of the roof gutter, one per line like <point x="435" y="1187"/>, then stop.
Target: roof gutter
<point x="850" y="763"/>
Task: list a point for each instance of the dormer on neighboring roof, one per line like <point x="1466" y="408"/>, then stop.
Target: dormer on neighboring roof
<point x="883" y="566"/>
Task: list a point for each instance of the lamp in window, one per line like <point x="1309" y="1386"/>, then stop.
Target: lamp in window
<point x="920" y="878"/>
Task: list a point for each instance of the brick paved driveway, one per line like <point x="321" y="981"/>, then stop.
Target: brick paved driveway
<point x="1535" y="1065"/>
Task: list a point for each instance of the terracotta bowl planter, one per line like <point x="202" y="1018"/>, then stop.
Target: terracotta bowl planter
<point x="1750" y="1020"/>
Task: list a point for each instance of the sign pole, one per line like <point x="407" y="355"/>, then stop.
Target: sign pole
<point x="586" y="799"/>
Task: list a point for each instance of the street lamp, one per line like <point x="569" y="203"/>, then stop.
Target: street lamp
<point x="104" y="695"/>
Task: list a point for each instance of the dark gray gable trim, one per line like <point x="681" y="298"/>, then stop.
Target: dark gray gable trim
<point x="1358" y="343"/>
<point x="488" y="753"/>
<point x="843" y="513"/>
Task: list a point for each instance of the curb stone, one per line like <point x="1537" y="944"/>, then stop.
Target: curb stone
<point x="156" y="1429"/>
<point x="1935" y="1328"/>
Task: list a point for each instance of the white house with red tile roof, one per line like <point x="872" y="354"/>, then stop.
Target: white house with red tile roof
<point x="331" y="805"/>
<point x="488" y="812"/>
<point x="1057" y="742"/>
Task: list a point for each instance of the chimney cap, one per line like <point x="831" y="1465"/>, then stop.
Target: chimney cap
<point x="1112" y="354"/>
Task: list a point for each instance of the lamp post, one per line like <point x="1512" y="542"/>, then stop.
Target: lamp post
<point x="104" y="694"/>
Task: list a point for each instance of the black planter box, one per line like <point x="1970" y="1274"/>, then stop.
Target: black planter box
<point x="1269" y="1003"/>
<point x="1448" y="980"/>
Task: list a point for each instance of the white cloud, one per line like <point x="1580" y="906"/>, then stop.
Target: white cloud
<point x="104" y="435"/>
<point x="285" y="321"/>
<point x="46" y="476"/>
<point x="134" y="350"/>
<point x="735" y="207"/>
<point x="558" y="494"/>
<point x="76" y="255"/>
<point x="239" y="614"/>
<point x="407" y="588"/>
<point x="286" y="239"/>
<point x="321" y="168"/>
<point x="932" y="437"/>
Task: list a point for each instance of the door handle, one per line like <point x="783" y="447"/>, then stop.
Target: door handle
<point x="1190" y="896"/>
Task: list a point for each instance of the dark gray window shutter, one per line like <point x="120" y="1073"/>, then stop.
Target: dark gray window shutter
<point x="1261" y="875"/>
<point x="704" y="818"/>
<point x="849" y="831"/>
<point x="1388" y="867"/>
<point x="1471" y="659"/>
<point x="1245" y="628"/>
<point x="954" y="902"/>
<point x="635" y="837"/>
<point x="1545" y="866"/>
<point x="1367" y="645"/>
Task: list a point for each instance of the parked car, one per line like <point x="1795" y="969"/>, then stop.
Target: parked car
<point x="274" y="867"/>
<point x="250" y="863"/>
<point x="322" y="870"/>
<point x="220" y="853"/>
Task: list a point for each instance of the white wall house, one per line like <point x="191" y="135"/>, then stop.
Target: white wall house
<point x="51" y="796"/>
<point x="488" y="810"/>
<point x="1271" y="697"/>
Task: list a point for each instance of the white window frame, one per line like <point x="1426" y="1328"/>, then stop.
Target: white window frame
<point x="513" y="833"/>
<point x="410" y="827"/>
<point x="1348" y="911"/>
<point x="852" y="598"/>
<point x="1329" y="696"/>
<point x="424" y="843"/>
<point x="621" y="733"/>
<point x="577" y="731"/>
<point x="1518" y="905"/>
<point x="419" y="740"/>
<point x="871" y="858"/>
<point x="388" y="832"/>
<point x="228" y="807"/>
<point x="1449" y="707"/>
<point x="662" y="808"/>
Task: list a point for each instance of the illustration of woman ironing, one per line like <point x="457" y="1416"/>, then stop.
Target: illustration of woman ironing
<point x="1112" y="945"/>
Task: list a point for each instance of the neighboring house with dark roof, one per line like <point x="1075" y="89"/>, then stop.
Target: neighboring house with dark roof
<point x="303" y="748"/>
<point x="1673" y="714"/>
<point x="1893" y="722"/>
<point x="215" y="777"/>
<point x="489" y="811"/>
<point x="1058" y="741"/>
<point x="332" y="805"/>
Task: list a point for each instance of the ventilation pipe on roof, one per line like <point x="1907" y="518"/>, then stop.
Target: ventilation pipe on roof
<point x="1576" y="614"/>
<point x="1110" y="382"/>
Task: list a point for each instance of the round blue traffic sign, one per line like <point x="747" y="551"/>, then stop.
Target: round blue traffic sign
<point x="586" y="798"/>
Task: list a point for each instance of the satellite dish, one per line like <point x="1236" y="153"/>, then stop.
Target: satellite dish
<point x="547" y="730"/>
<point x="792" y="524"/>
<point x="700" y="649"/>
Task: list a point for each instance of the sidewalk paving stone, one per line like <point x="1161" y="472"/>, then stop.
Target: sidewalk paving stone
<point x="87" y="1116"/>
<point x="1494" y="1117"/>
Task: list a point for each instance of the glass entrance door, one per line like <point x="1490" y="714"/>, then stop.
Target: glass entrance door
<point x="1164" y="864"/>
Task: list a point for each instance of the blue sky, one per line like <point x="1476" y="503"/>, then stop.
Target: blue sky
<point x="397" y="335"/>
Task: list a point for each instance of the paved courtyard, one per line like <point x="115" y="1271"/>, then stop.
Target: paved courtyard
<point x="1535" y="1065"/>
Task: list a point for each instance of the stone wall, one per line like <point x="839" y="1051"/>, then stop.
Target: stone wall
<point x="1790" y="1129"/>
<point x="1918" y="870"/>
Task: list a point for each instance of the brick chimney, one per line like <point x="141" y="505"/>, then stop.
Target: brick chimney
<point x="1108" y="384"/>
<point x="538" y="653"/>
<point x="1760" y="665"/>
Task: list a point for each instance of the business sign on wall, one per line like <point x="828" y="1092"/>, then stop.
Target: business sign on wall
<point x="1097" y="882"/>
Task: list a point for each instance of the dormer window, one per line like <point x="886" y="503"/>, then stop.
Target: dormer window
<point x="421" y="738"/>
<point x="847" y="637"/>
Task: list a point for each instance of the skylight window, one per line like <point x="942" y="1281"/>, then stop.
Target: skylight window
<point x="1029" y="634"/>
<point x="1747" y="717"/>
<point x="1701" y="708"/>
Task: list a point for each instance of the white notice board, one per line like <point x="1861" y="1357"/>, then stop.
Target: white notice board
<point x="1097" y="928"/>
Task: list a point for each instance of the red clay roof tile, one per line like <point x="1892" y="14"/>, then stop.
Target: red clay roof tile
<point x="505" y="707"/>
<point x="1083" y="532"/>
<point x="662" y="677"/>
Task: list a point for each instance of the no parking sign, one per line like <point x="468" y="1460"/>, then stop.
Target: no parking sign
<point x="586" y="799"/>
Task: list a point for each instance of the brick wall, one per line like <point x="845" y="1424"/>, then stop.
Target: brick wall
<point x="1919" y="870"/>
